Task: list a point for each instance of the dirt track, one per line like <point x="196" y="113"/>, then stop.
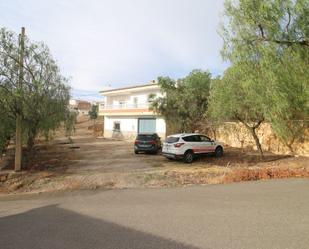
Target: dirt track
<point x="94" y="162"/>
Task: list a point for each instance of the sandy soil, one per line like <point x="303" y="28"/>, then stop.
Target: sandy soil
<point x="95" y="162"/>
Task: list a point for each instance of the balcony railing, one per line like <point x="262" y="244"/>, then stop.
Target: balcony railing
<point x="125" y="106"/>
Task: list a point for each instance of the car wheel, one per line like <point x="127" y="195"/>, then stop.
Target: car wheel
<point x="219" y="151"/>
<point x="136" y="151"/>
<point x="188" y="157"/>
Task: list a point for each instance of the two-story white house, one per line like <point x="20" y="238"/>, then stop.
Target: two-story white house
<point x="126" y="112"/>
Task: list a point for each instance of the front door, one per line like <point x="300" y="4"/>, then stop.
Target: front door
<point x="147" y="125"/>
<point x="206" y="145"/>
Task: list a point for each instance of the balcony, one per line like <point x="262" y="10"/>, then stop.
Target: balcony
<point x="125" y="106"/>
<point x="125" y="109"/>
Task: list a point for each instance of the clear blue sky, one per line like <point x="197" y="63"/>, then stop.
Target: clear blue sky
<point x="122" y="42"/>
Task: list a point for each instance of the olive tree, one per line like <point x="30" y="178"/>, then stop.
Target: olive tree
<point x="183" y="102"/>
<point x="42" y="97"/>
<point x="235" y="98"/>
<point x="275" y="36"/>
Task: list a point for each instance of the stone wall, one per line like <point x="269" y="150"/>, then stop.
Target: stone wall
<point x="236" y="135"/>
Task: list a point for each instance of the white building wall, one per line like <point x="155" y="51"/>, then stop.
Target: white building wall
<point x="129" y="126"/>
<point x="161" y="126"/>
<point x="126" y="123"/>
<point x="141" y="96"/>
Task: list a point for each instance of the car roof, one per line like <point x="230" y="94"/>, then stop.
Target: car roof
<point x="147" y="133"/>
<point x="184" y="134"/>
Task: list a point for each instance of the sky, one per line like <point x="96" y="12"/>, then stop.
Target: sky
<point x="117" y="43"/>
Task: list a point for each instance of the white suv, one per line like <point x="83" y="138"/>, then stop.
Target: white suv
<point x="188" y="145"/>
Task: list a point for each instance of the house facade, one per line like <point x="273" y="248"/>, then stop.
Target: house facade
<point x="82" y="107"/>
<point x="127" y="112"/>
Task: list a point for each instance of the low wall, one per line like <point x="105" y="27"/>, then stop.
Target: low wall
<point x="236" y="135"/>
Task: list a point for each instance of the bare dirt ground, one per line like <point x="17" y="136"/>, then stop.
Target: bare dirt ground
<point x="95" y="162"/>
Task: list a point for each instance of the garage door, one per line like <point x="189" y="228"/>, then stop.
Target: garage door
<point x="146" y="125"/>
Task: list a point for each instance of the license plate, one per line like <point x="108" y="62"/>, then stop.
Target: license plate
<point x="143" y="145"/>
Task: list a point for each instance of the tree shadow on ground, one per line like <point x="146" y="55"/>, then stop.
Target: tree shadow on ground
<point x="240" y="157"/>
<point x="46" y="157"/>
<point x="52" y="227"/>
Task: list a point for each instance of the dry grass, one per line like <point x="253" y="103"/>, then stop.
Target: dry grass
<point x="222" y="175"/>
<point x="254" y="174"/>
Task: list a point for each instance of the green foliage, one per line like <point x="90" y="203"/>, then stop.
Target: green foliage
<point x="234" y="97"/>
<point x="287" y="98"/>
<point x="7" y="127"/>
<point x="42" y="99"/>
<point x="183" y="102"/>
<point x="274" y="36"/>
<point x="238" y="97"/>
<point x="69" y="123"/>
<point x="253" y="26"/>
<point x="93" y="113"/>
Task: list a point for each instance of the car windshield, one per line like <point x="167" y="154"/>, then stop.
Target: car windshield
<point x="171" y="140"/>
<point x="145" y="137"/>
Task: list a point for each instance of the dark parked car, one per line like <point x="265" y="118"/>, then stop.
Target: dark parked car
<point x="147" y="142"/>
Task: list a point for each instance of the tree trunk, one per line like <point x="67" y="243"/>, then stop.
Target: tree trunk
<point x="257" y="141"/>
<point x="31" y="136"/>
<point x="291" y="149"/>
<point x="30" y="146"/>
<point x="31" y="139"/>
<point x="254" y="135"/>
<point x="30" y="143"/>
<point x="289" y="144"/>
<point x="214" y="132"/>
<point x="94" y="127"/>
<point x="18" y="144"/>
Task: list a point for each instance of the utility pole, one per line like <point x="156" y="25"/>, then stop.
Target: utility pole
<point x="18" y="136"/>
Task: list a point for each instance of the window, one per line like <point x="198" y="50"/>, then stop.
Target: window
<point x="116" y="126"/>
<point x="171" y="140"/>
<point x="205" y="139"/>
<point x="188" y="139"/>
<point x="146" y="137"/>
<point x="193" y="138"/>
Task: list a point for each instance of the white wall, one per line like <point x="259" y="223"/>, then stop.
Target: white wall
<point x="160" y="125"/>
<point x="129" y="98"/>
<point x="126" y="123"/>
<point x="130" y="124"/>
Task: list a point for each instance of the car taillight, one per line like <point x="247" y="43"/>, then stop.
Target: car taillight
<point x="178" y="145"/>
<point x="136" y="142"/>
<point x="152" y="142"/>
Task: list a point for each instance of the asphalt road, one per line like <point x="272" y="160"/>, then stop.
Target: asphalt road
<point x="272" y="214"/>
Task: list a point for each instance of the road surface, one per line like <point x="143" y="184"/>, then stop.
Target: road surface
<point x="272" y="214"/>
